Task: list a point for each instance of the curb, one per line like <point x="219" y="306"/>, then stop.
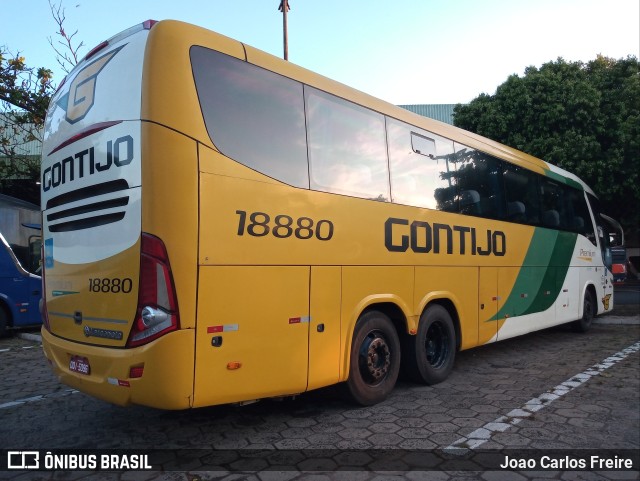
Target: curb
<point x="29" y="336"/>
<point x="626" y="310"/>
<point x="618" y="320"/>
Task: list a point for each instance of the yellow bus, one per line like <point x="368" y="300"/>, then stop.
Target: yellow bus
<point x="222" y="226"/>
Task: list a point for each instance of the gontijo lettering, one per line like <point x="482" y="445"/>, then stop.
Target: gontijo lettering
<point x="119" y="153"/>
<point x="425" y="238"/>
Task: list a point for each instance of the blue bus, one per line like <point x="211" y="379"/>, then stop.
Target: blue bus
<point x="20" y="290"/>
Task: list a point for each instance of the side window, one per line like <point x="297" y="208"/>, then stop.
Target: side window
<point x="480" y="187"/>
<point x="580" y="220"/>
<point x="521" y="194"/>
<point x="347" y="147"/>
<point x="253" y="116"/>
<point x="601" y="231"/>
<point x="553" y="212"/>
<point x="421" y="171"/>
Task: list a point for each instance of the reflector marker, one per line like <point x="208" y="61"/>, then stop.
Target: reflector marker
<point x="298" y="320"/>
<point x="223" y="328"/>
<point x="118" y="382"/>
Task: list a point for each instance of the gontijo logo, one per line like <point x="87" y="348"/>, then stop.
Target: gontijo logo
<point x="81" y="95"/>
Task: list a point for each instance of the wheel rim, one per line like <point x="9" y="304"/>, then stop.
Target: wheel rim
<point x="588" y="310"/>
<point x="437" y="345"/>
<point x="374" y="358"/>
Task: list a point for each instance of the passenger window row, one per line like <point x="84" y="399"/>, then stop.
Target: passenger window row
<point x="311" y="139"/>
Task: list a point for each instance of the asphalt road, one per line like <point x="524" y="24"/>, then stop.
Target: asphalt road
<point x="628" y="294"/>
<point x="553" y="393"/>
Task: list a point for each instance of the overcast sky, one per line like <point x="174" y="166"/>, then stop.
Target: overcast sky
<point x="403" y="51"/>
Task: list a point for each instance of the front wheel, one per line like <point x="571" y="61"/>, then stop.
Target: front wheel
<point x="375" y="359"/>
<point x="4" y="320"/>
<point x="430" y="354"/>
<point x="588" y="313"/>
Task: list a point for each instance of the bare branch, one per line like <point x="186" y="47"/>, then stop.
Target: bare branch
<point x="67" y="56"/>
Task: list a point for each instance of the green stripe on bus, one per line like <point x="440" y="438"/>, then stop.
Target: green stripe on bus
<point x="556" y="272"/>
<point x="543" y="271"/>
<point x="564" y="180"/>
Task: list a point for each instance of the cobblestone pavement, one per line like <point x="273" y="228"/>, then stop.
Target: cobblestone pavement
<point x="553" y="392"/>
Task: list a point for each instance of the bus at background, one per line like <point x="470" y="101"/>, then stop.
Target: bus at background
<point x="222" y="226"/>
<point x="20" y="287"/>
<point x="20" y="250"/>
<point x="618" y="250"/>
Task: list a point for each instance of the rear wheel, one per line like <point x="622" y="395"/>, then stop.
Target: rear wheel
<point x="430" y="354"/>
<point x="588" y="313"/>
<point x="4" y="320"/>
<point x="375" y="359"/>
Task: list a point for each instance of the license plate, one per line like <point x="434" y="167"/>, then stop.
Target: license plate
<point x="80" y="365"/>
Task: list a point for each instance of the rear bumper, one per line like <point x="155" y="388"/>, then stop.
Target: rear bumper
<point x="167" y="381"/>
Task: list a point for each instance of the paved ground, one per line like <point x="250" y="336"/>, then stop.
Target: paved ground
<point x="553" y="393"/>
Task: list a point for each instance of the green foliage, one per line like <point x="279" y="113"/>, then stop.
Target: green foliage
<point x="25" y="93"/>
<point x="582" y="117"/>
<point x="24" y="97"/>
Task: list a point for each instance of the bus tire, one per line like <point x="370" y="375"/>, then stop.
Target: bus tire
<point x="4" y="320"/>
<point x="428" y="357"/>
<point x="588" y="313"/>
<point x="375" y="359"/>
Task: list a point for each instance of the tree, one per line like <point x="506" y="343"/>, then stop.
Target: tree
<point x="25" y="93"/>
<point x="24" y="96"/>
<point x="582" y="117"/>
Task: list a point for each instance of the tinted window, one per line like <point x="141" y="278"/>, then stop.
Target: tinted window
<point x="580" y="220"/>
<point x="421" y="171"/>
<point x="554" y="214"/>
<point x="600" y="225"/>
<point x="521" y="194"/>
<point x="347" y="148"/>
<point x="480" y="189"/>
<point x="253" y="116"/>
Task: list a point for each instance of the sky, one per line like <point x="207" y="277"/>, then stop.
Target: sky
<point x="403" y="51"/>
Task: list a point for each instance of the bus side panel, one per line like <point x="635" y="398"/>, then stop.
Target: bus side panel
<point x="457" y="284"/>
<point x="368" y="285"/>
<point x="524" y="290"/>
<point x="568" y="304"/>
<point x="324" y="327"/>
<point x="252" y="333"/>
<point x="597" y="277"/>
<point x="487" y="305"/>
<point x="170" y="208"/>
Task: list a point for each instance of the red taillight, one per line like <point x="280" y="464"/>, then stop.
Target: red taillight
<point x="157" y="312"/>
<point x="619" y="269"/>
<point x="147" y="24"/>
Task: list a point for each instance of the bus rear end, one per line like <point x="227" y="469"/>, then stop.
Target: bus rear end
<point x="112" y="324"/>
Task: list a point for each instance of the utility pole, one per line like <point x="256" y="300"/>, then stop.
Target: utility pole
<point x="284" y="8"/>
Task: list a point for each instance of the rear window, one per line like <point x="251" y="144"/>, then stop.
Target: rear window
<point x="252" y="115"/>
